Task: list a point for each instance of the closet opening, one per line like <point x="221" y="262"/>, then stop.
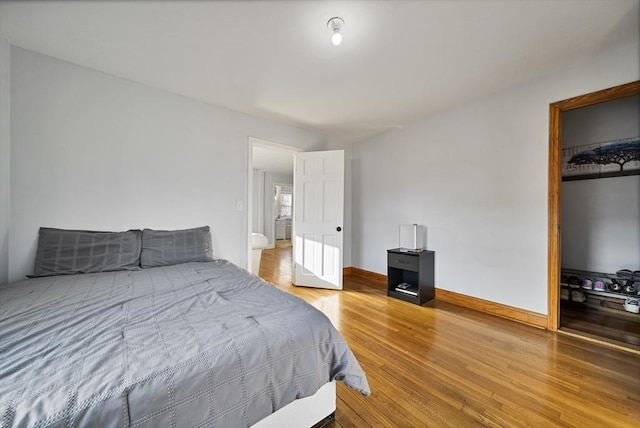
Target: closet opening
<point x="594" y="212"/>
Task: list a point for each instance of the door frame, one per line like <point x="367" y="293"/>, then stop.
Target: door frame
<point x="275" y="211"/>
<point x="251" y="143"/>
<point x="555" y="183"/>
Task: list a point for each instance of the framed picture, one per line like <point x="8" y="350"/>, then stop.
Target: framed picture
<point x="609" y="159"/>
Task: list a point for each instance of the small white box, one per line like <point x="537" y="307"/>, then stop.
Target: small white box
<point x="411" y="237"/>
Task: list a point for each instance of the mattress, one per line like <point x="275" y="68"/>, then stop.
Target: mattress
<point x="195" y="344"/>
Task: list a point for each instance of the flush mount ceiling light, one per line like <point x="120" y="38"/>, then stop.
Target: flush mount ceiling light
<point x="335" y="24"/>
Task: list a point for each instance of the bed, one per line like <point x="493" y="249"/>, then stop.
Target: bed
<point x="200" y="343"/>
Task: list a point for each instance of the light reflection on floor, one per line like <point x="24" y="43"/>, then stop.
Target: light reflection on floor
<point x="276" y="267"/>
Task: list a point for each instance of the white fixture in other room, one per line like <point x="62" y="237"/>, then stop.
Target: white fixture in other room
<point x="258" y="243"/>
<point x="335" y="24"/>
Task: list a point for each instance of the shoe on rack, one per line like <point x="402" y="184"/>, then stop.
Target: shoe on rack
<point x="632" y="304"/>
<point x="615" y="286"/>
<point x="628" y="288"/>
<point x="564" y="293"/>
<point x="577" y="296"/>
<point x="598" y="285"/>
<point x="624" y="274"/>
<point x="636" y="275"/>
<point x="574" y="282"/>
<point x="564" y="279"/>
<point x="587" y="284"/>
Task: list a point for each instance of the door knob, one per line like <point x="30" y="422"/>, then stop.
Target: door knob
<point x="338" y="228"/>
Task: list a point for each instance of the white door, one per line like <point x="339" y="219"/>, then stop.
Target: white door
<point x="318" y="181"/>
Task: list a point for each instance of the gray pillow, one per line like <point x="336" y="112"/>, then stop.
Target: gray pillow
<point x="65" y="252"/>
<point x="172" y="247"/>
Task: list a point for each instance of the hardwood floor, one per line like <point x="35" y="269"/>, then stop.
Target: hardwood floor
<point x="442" y="365"/>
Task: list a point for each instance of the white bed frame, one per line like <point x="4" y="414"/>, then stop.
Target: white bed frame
<point x="305" y="412"/>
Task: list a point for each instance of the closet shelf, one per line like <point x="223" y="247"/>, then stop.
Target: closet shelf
<point x="590" y="274"/>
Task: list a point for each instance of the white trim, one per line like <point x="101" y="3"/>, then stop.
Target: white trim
<point x="260" y="209"/>
<point x="258" y="142"/>
<point x="5" y="158"/>
<point x="249" y="212"/>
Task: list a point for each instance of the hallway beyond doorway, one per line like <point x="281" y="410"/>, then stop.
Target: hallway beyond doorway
<point x="276" y="265"/>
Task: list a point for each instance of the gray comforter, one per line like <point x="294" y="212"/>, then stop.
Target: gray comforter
<point x="194" y="344"/>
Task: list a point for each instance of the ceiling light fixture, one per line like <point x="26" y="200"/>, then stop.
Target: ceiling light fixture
<point x="335" y="24"/>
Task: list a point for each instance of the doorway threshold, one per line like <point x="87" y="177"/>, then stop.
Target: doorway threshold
<point x="611" y="343"/>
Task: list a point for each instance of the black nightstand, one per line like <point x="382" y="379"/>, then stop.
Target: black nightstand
<point x="416" y="270"/>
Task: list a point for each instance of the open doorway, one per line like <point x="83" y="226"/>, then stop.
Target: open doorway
<point x="316" y="251"/>
<point x="270" y="208"/>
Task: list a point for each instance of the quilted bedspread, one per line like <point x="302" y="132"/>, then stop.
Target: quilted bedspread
<point x="196" y="344"/>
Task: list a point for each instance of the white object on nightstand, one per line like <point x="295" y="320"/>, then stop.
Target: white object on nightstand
<point x="411" y="237"/>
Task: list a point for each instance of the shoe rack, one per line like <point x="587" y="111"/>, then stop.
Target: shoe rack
<point x="607" y="300"/>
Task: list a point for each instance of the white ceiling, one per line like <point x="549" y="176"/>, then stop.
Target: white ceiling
<point x="399" y="61"/>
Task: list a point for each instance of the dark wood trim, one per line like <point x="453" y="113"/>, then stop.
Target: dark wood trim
<point x="597" y="97"/>
<point x="591" y="338"/>
<point x="486" y="306"/>
<point x="498" y="309"/>
<point x="367" y="274"/>
<point x="555" y="184"/>
<point x="553" y="258"/>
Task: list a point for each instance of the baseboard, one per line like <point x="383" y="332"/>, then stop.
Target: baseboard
<point x="365" y="274"/>
<point x="498" y="309"/>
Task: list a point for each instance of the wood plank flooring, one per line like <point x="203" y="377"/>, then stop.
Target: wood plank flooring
<point x="441" y="365"/>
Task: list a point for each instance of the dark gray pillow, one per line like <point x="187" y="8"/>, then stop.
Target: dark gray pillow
<point x="65" y="252"/>
<point x="172" y="247"/>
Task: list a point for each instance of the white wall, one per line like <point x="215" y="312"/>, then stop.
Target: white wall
<point x="93" y="151"/>
<point x="601" y="217"/>
<point x="5" y="58"/>
<point x="477" y="178"/>
<point x="270" y="179"/>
